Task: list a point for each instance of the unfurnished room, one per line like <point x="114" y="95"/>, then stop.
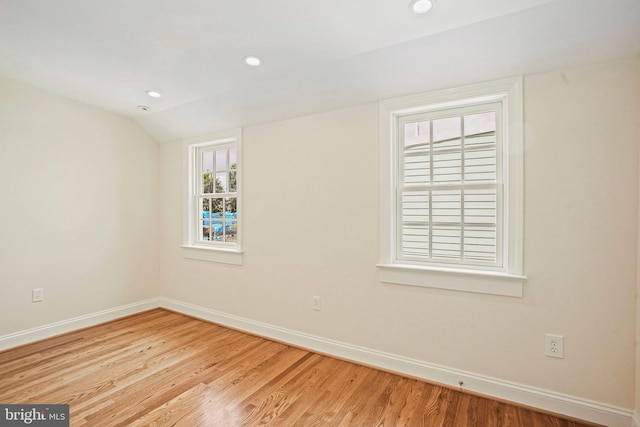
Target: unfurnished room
<point x="337" y="213"/>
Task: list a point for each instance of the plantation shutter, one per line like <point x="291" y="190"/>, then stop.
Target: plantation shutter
<point x="449" y="192"/>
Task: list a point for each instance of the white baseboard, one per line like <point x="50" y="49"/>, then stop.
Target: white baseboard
<point x="75" y="323"/>
<point x="546" y="400"/>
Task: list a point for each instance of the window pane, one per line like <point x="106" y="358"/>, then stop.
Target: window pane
<point x="203" y="230"/>
<point x="231" y="205"/>
<point x="480" y="207"/>
<point x="216" y="233"/>
<point x="232" y="179"/>
<point x="480" y="244"/>
<point x="446" y="243"/>
<point x="480" y="124"/>
<point x="480" y="233"/>
<point x="417" y="169"/>
<point x="217" y="209"/>
<point x="480" y="165"/>
<point x="231" y="237"/>
<point x="447" y="167"/>
<point x="410" y="132"/>
<point x="447" y="133"/>
<point x="446" y="206"/>
<point x="204" y="218"/>
<point x="233" y="165"/>
<point x="207" y="161"/>
<point x="233" y="158"/>
<point x="415" y="241"/>
<point x="417" y="133"/>
<point x="480" y="145"/>
<point x="207" y="169"/>
<point x="207" y="182"/>
<point x="415" y="206"/>
<point x="231" y="220"/>
<point x="221" y="160"/>
<point x="221" y="182"/>
<point x="205" y="207"/>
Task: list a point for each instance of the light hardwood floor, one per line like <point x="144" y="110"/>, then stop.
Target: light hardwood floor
<point x="162" y="368"/>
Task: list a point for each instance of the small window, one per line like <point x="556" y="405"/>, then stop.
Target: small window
<point x="213" y="207"/>
<point x="451" y="176"/>
<point x="216" y="195"/>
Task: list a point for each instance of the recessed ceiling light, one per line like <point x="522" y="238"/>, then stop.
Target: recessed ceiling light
<point x="252" y="61"/>
<point x="421" y="6"/>
<point x="153" y="94"/>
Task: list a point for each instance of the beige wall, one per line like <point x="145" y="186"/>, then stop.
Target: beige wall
<point x="311" y="228"/>
<point x="80" y="188"/>
<point x="79" y="198"/>
<point x="637" y="347"/>
<point x="581" y="225"/>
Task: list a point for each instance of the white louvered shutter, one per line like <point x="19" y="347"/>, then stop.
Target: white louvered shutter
<point x="449" y="187"/>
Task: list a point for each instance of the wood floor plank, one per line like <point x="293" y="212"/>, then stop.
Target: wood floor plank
<point x="161" y="368"/>
<point x="334" y="397"/>
<point x="297" y="398"/>
<point x="96" y="372"/>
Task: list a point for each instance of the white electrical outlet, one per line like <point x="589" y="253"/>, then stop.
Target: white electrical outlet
<point x="37" y="295"/>
<point x="554" y="346"/>
<point x="316" y="303"/>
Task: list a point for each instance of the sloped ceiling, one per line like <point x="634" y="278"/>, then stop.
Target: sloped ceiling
<point x="317" y="55"/>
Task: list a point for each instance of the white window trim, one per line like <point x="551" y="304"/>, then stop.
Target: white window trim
<point x="508" y="282"/>
<point x="191" y="248"/>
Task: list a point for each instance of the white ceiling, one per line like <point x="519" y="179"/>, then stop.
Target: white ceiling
<point x="317" y="55"/>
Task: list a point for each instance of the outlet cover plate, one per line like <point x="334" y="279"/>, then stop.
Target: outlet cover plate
<point x="554" y="346"/>
<point x="37" y="295"/>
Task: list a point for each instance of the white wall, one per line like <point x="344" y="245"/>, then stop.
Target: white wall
<point x="311" y="228"/>
<point x="78" y="209"/>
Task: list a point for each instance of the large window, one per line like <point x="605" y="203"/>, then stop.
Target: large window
<point x="213" y="222"/>
<point x="451" y="190"/>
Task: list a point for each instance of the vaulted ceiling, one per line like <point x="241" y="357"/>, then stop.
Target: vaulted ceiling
<point x="317" y="55"/>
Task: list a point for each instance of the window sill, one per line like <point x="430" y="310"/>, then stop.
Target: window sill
<point x="484" y="282"/>
<point x="221" y="255"/>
